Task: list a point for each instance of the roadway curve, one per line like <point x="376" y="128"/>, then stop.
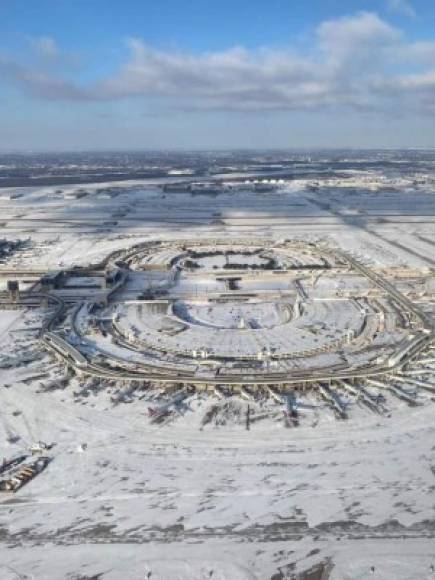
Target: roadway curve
<point x="406" y="352"/>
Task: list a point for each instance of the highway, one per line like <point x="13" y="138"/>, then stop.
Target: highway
<point x="389" y="288"/>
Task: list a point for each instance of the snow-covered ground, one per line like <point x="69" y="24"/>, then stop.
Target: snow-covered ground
<point x="240" y="503"/>
<point x="178" y="501"/>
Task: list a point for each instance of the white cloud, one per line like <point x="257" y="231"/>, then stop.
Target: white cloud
<point x="348" y="37"/>
<point x="402" y="6"/>
<point x="46" y="46"/>
<point x="359" y="62"/>
<point x="346" y="53"/>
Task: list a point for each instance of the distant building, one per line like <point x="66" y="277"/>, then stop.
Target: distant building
<point x="53" y="280"/>
<point x="13" y="290"/>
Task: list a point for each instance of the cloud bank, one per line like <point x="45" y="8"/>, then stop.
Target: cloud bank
<point x="358" y="62"/>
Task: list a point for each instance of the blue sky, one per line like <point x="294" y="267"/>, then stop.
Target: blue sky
<point x="80" y="74"/>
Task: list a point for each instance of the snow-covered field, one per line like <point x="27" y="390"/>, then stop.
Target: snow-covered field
<point x="125" y="498"/>
<point x="240" y="503"/>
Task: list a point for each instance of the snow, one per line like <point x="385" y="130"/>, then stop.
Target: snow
<point x="293" y="336"/>
<point x="147" y="489"/>
<point x="7" y="320"/>
<point x="124" y="497"/>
